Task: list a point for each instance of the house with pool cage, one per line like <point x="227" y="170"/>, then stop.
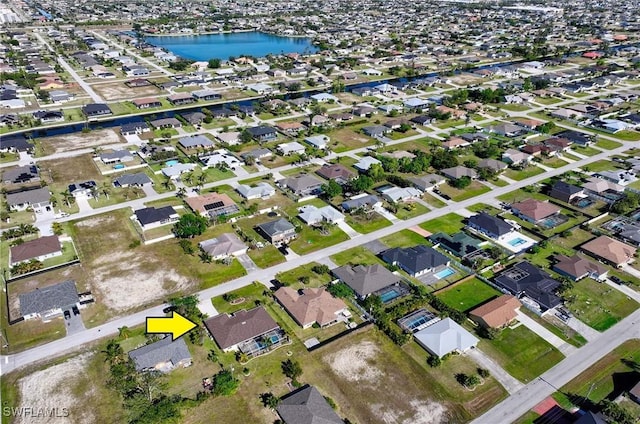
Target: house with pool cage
<point x="252" y="332"/>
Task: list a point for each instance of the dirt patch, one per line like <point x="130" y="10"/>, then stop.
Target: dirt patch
<point x="52" y="388"/>
<point x="119" y="91"/>
<point x="80" y="140"/>
<point x="422" y="412"/>
<point x="354" y="363"/>
<point x="420" y="231"/>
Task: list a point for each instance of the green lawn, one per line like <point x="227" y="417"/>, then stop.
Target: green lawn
<point x="449" y="223"/>
<point x="607" y="144"/>
<point x="355" y="255"/>
<point x="367" y="223"/>
<point x="521" y="352"/>
<point x="404" y="238"/>
<point x="311" y="239"/>
<point x="476" y="188"/>
<point x="554" y="162"/>
<point x="558" y="328"/>
<point x="436" y="203"/>
<point x="410" y="210"/>
<point x="528" y="172"/>
<point x="607" y="377"/>
<point x="468" y="295"/>
<point x="292" y="277"/>
<point x="587" y="151"/>
<point x="598" y="305"/>
<point x="266" y="257"/>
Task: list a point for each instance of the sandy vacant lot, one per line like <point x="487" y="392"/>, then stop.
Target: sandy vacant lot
<point x="126" y="278"/>
<point x="52" y="388"/>
<point x="363" y="364"/>
<point x="119" y="91"/>
<point x="80" y="140"/>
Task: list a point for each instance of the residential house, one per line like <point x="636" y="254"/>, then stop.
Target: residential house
<point x="566" y="192"/>
<point x="257" y="154"/>
<point x="376" y="131"/>
<point x="603" y="189"/>
<point x="164" y="355"/>
<point x="152" y="217"/>
<point x="313" y="215"/>
<point x="369" y="201"/>
<point x="263" y="133"/>
<point x="496" y="313"/>
<point x="21" y="175"/>
<point x="516" y="157"/>
<point x="174" y="171"/>
<point x="629" y="232"/>
<point x="339" y="173"/>
<point x="217" y="157"/>
<point x="224" y="246"/>
<point x="212" y="205"/>
<point x="38" y="199"/>
<point x="180" y="99"/>
<point x="525" y="279"/>
<point x="290" y="128"/>
<point x="459" y="244"/>
<point x="195" y="142"/>
<point x="38" y="249"/>
<point x="117" y="156"/>
<point x="134" y="128"/>
<point x="231" y="138"/>
<point x="292" y="148"/>
<point x="166" y="123"/>
<point x="206" y="95"/>
<point x="49" y="116"/>
<point x="492" y="164"/>
<point x="577" y="267"/>
<point x="365" y="163"/>
<point x="534" y="211"/>
<point x="458" y="172"/>
<point x="506" y="130"/>
<point x="146" y="103"/>
<point x="454" y="143"/>
<point x="306" y="405"/>
<point x="193" y="118"/>
<point x="311" y="306"/>
<point x="302" y="185"/>
<point x="365" y="280"/>
<point x="94" y="110"/>
<point x="576" y="137"/>
<point x="445" y="336"/>
<point x="235" y="332"/>
<point x="427" y="182"/>
<point x="261" y="190"/>
<point x="277" y="232"/>
<point x="49" y="302"/>
<point x="318" y="141"/>
<point x="490" y="225"/>
<point x="399" y="194"/>
<point x="619" y="177"/>
<point x="83" y="189"/>
<point x="139" y="179"/>
<point x="610" y="251"/>
<point x="417" y="260"/>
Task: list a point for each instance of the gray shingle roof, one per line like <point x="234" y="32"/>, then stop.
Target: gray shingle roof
<point x="62" y="295"/>
<point x="365" y="280"/>
<point x="278" y="226"/>
<point x="307" y="406"/>
<point x="230" y="330"/>
<point x="39" y="195"/>
<point x="159" y="352"/>
<point x="138" y="179"/>
<point x="415" y="259"/>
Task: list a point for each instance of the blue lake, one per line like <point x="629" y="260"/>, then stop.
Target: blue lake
<point x="223" y="46"/>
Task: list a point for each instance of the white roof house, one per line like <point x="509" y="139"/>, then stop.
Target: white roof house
<point x="220" y="156"/>
<point x="291" y="148"/>
<point x="223" y="246"/>
<point x="260" y="88"/>
<point x="231" y="138"/>
<point x="318" y="141"/>
<point x="444" y="337"/>
<point x="398" y="194"/>
<point x="261" y="190"/>
<point x="176" y="170"/>
<point x="324" y="97"/>
<point x="365" y="163"/>
<point x="313" y="215"/>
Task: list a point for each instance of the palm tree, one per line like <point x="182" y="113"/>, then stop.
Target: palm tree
<point x="124" y="332"/>
<point x="106" y="189"/>
<point x="182" y="192"/>
<point x="67" y="197"/>
<point x="188" y="178"/>
<point x="201" y="180"/>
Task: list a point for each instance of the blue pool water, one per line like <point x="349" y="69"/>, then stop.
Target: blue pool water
<point x="172" y="162"/>
<point x="444" y="273"/>
<point x="584" y="203"/>
<point x="223" y="46"/>
<point x="517" y="242"/>
<point x="118" y="166"/>
<point x="388" y="296"/>
<point x="416" y="322"/>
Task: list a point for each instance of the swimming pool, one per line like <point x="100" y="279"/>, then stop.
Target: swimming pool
<point x="517" y="242"/>
<point x="172" y="162"/>
<point x="444" y="273"/>
<point x="118" y="166"/>
<point x="389" y="295"/>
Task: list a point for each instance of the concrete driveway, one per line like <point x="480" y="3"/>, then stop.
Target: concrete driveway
<point x="347" y="229"/>
<point x="83" y="204"/>
<point x="247" y="263"/>
<point x="510" y="384"/>
<point x="74" y="324"/>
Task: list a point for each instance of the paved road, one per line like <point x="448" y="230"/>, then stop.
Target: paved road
<point x="533" y="393"/>
<point x="11" y="362"/>
<point x="86" y="87"/>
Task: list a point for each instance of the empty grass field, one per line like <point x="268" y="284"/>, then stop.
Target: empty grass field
<point x="449" y="223"/>
<point x="467" y="295"/>
<point x="522" y="353"/>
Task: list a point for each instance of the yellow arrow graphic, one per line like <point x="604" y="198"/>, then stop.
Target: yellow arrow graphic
<point x="176" y="324"/>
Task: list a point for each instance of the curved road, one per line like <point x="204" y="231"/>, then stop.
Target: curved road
<point x="58" y="347"/>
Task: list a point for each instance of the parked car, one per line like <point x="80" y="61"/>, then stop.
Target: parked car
<point x="67" y="314"/>
<point x="170" y="309"/>
<point x="616" y="280"/>
<point x="75" y="310"/>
